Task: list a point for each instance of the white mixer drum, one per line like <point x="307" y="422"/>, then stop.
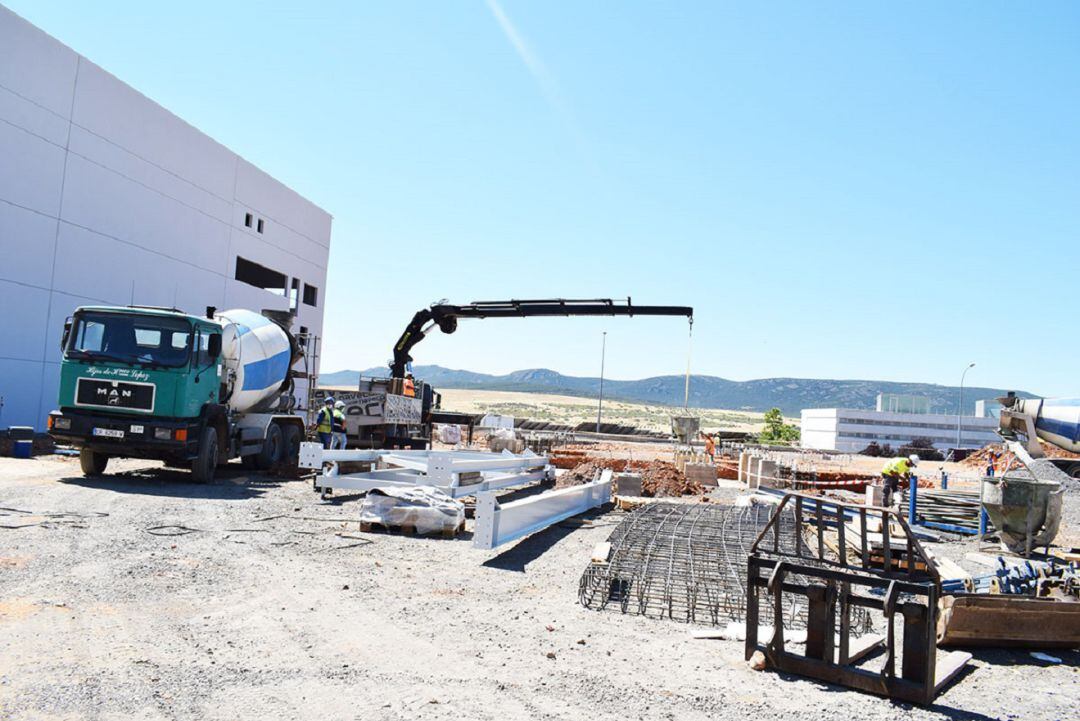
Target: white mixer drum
<point x="1057" y="420"/>
<point x="257" y="352"/>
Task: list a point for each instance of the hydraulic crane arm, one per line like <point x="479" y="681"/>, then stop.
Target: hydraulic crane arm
<point x="446" y="317"/>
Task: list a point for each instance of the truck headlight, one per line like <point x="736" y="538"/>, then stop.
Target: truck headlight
<point x="62" y="424"/>
<point x="163" y="434"/>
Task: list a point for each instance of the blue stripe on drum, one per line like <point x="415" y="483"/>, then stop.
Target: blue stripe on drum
<point x="267" y="372"/>
<point x="1069" y="430"/>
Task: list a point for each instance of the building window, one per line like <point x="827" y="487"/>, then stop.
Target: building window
<point x="260" y="226"/>
<point x="294" y="292"/>
<point x="311" y="295"/>
<point x="247" y="220"/>
<point x="260" y="276"/>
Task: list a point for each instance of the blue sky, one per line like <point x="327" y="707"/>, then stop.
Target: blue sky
<point x="841" y="190"/>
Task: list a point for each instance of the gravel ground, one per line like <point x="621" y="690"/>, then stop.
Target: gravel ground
<point x="265" y="611"/>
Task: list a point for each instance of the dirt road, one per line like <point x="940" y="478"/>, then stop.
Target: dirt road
<point x="265" y="603"/>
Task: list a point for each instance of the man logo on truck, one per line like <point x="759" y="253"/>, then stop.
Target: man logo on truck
<point x="112" y="395"/>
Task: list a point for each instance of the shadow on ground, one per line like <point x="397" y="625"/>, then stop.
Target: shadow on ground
<point x="532" y="547"/>
<point x="229" y="483"/>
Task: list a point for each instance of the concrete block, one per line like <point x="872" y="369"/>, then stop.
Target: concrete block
<point x="874" y="495"/>
<point x="703" y="473"/>
<point x="628" y="484"/>
<point x="766" y="472"/>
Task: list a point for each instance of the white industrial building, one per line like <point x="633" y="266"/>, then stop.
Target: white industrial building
<point x="108" y="198"/>
<point x="849" y="430"/>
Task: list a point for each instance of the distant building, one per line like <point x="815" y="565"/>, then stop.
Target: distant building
<point x="899" y="403"/>
<point x="987" y="409"/>
<point x="849" y="430"/>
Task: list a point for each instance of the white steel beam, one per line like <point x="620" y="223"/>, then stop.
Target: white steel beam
<point x="440" y="469"/>
<point x="498" y="523"/>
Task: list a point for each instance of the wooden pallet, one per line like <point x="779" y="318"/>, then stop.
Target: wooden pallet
<point x="898" y="563"/>
<point x="408" y="529"/>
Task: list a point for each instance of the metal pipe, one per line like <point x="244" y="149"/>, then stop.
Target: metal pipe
<point x="960" y="405"/>
<point x="600" y="405"/>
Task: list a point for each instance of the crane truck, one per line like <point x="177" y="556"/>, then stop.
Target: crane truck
<point x="378" y="415"/>
<point x="157" y="383"/>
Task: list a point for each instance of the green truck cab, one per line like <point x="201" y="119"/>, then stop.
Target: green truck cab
<point x="148" y="383"/>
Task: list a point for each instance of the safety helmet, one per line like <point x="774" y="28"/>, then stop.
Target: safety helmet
<point x="329" y="400"/>
<point x="339" y="404"/>
<point x="914" y="458"/>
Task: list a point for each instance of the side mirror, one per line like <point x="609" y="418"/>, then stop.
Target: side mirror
<point x="67" y="333"/>
<point x="213" y="346"/>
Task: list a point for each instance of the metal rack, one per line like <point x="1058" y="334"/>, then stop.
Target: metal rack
<point x="780" y="565"/>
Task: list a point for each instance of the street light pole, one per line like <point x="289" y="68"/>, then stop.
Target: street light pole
<point x="960" y="405"/>
<point x="600" y="405"/>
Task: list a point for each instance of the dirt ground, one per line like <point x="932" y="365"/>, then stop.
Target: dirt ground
<point x="267" y="603"/>
<point x="572" y="410"/>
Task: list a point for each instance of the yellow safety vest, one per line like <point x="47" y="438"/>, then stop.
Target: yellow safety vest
<point x="898" y="466"/>
<point x="339" y="419"/>
<point x="324" y="419"/>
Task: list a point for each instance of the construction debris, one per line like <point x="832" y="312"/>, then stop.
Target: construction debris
<point x="1004" y="459"/>
<point x="659" y="479"/>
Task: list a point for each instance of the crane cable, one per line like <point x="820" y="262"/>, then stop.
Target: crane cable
<point x="689" y="347"/>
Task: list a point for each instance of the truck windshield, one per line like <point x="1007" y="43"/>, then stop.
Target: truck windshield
<point x="130" y="338"/>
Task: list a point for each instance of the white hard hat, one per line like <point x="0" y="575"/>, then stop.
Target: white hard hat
<point x="339" y="404"/>
<point x="914" y="458"/>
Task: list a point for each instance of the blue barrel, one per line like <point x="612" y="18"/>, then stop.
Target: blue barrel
<point x="22" y="449"/>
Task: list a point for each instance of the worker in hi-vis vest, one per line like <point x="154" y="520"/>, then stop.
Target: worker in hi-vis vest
<point x="340" y="440"/>
<point x="324" y="422"/>
<point x="409" y="386"/>
<point x="896" y="470"/>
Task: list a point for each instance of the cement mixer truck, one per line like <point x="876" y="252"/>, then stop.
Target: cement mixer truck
<point x="156" y="383"/>
<point x="1056" y="421"/>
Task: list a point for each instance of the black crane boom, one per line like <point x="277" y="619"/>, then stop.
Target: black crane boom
<point x="446" y="317"/>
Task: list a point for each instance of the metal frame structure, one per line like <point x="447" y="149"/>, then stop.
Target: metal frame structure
<point x="774" y="566"/>
<point x="498" y="523"/>
<point x="455" y="473"/>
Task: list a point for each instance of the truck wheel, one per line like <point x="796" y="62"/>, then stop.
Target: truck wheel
<point x="272" y="448"/>
<point x="203" y="467"/>
<point x="292" y="443"/>
<point x="92" y="462"/>
<point x="1074" y="470"/>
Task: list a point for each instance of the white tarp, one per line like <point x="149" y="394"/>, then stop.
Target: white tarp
<point x="492" y="420"/>
<point x="425" y="507"/>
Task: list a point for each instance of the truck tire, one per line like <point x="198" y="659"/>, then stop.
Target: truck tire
<point x="203" y="467"/>
<point x="92" y="462"/>
<point x="292" y="437"/>
<point x="1074" y="470"/>
<point x="273" y="447"/>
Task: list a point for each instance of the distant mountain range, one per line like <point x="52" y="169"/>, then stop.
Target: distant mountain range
<point x="790" y="395"/>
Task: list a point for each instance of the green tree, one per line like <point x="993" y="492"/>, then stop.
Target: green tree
<point x="776" y="431"/>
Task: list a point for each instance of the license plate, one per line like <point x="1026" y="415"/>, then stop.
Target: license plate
<point x="108" y="433"/>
